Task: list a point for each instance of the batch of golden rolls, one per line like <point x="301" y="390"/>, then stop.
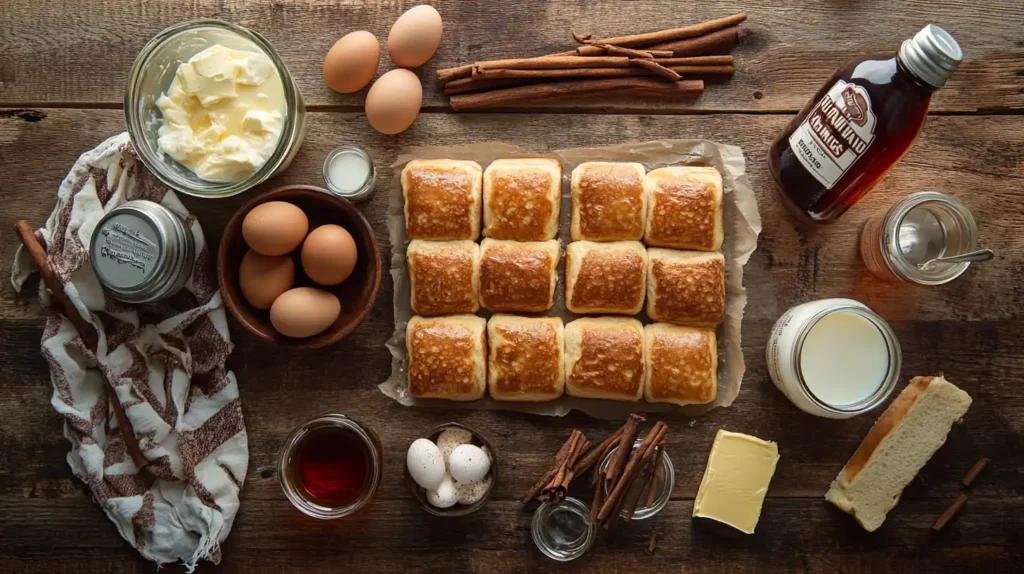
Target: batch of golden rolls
<point x="636" y="236"/>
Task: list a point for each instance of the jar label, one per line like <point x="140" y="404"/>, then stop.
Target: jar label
<point x="836" y="133"/>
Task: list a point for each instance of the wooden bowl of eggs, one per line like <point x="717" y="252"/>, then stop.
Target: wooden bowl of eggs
<point x="299" y="267"/>
<point x="451" y="472"/>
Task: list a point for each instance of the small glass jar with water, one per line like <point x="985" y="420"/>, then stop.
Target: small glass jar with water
<point x="920" y="227"/>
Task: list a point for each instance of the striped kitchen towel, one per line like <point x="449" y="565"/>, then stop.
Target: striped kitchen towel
<point x="166" y="362"/>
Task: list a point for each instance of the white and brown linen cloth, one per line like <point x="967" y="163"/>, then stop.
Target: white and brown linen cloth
<point x="166" y="361"/>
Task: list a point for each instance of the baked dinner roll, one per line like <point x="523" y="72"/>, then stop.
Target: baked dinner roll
<point x="442" y="199"/>
<point x="682" y="365"/>
<point x="605" y="277"/>
<point x="684" y="208"/>
<point x="685" y="287"/>
<point x="447" y="357"/>
<point x="518" y="276"/>
<point x="522" y="199"/>
<point x="525" y="361"/>
<point x="444" y="276"/>
<point x="604" y="358"/>
<point x="609" y="202"/>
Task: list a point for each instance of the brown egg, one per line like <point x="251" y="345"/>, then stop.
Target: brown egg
<point x="263" y="277"/>
<point x="274" y="227"/>
<point x="414" y="37"/>
<point x="329" y="254"/>
<point x="393" y="101"/>
<point x="304" y="312"/>
<point x="351" y="62"/>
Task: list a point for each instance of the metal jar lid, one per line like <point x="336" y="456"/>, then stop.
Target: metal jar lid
<point x="142" y="252"/>
<point x="921" y="227"/>
<point x="932" y="55"/>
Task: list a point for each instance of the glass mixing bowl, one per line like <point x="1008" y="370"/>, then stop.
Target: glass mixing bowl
<point x="153" y="72"/>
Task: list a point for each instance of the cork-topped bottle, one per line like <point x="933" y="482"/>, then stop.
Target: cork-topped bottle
<point x="859" y="124"/>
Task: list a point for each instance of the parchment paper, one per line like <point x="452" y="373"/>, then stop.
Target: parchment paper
<point x="742" y="225"/>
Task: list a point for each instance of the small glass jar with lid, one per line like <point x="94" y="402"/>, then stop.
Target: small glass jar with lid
<point x="917" y="229"/>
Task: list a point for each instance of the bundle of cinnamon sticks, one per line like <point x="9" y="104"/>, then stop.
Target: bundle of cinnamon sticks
<point x="614" y="484"/>
<point x="664" y="64"/>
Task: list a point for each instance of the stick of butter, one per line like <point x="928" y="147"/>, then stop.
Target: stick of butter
<point x="736" y="480"/>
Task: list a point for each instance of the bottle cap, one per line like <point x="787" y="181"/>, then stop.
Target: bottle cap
<point x="932" y="55"/>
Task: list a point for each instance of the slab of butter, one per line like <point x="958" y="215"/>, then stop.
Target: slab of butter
<point x="736" y="480"/>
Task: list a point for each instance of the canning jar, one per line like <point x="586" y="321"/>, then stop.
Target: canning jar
<point x="917" y="229"/>
<point x="154" y="70"/>
<point x="833" y="358"/>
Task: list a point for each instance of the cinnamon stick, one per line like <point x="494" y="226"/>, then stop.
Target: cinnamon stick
<point x="557" y="460"/>
<point x="465" y="85"/>
<point x="671" y="34"/>
<point x="509" y="97"/>
<point x="506" y="74"/>
<point x="652" y="489"/>
<point x="597" y="453"/>
<point x="655" y="68"/>
<point x="972" y="474"/>
<point x="950" y="513"/>
<point x="552" y="62"/>
<point x="724" y="60"/>
<point x="648" y="473"/>
<point x="718" y="41"/>
<point x="652" y="542"/>
<point x="624" y="449"/>
<point x="449" y="74"/>
<point x="642" y="455"/>
<point x="85" y="330"/>
<point x="595" y="508"/>
<point x="631" y="53"/>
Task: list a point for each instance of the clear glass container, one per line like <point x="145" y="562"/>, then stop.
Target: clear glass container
<point x="152" y="73"/>
<point x="563" y="531"/>
<point x="292" y="483"/>
<point x="355" y="159"/>
<point x="666" y="482"/>
<point x="917" y="229"/>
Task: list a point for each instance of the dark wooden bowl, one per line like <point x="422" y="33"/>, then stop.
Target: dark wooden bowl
<point x="357" y="293"/>
<point x="420" y="494"/>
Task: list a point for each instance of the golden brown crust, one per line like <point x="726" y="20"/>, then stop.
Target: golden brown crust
<point x="610" y="363"/>
<point x="444" y="276"/>
<point x="686" y="288"/>
<point x="885" y="424"/>
<point x="685" y="208"/>
<point x="606" y="277"/>
<point x="609" y="201"/>
<point x="522" y="199"/>
<point x="518" y="276"/>
<point x="447" y="357"/>
<point x="682" y="365"/>
<point x="442" y="199"/>
<point x="525" y="358"/>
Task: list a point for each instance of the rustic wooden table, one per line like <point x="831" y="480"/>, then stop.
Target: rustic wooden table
<point x="62" y="77"/>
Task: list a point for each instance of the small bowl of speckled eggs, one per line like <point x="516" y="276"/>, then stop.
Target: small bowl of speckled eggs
<point x="452" y="471"/>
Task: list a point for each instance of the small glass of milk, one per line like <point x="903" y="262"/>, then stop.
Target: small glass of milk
<point x="834" y="358"/>
<point x="349" y="172"/>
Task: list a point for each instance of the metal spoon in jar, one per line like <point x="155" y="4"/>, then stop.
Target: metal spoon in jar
<point x="972" y="257"/>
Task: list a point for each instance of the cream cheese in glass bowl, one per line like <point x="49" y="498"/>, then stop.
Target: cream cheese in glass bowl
<point x="212" y="109"/>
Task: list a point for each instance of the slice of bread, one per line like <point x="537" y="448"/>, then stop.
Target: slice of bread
<point x="903" y="439"/>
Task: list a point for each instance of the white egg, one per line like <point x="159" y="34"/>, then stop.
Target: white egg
<point x="450" y="438"/>
<point x="468" y="463"/>
<point x="472" y="492"/>
<point x="426" y="466"/>
<point x="445" y="495"/>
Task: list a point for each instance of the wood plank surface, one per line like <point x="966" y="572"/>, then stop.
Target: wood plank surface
<point x="63" y="67"/>
<point x="80" y="52"/>
<point x="949" y="328"/>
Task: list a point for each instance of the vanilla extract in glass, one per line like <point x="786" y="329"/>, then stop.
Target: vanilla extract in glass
<point x="859" y="124"/>
<point x="330" y="467"/>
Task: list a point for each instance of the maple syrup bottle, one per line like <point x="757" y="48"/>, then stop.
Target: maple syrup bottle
<point x="859" y="124"/>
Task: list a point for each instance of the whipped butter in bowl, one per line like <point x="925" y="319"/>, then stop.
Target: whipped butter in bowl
<point x="212" y="109"/>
